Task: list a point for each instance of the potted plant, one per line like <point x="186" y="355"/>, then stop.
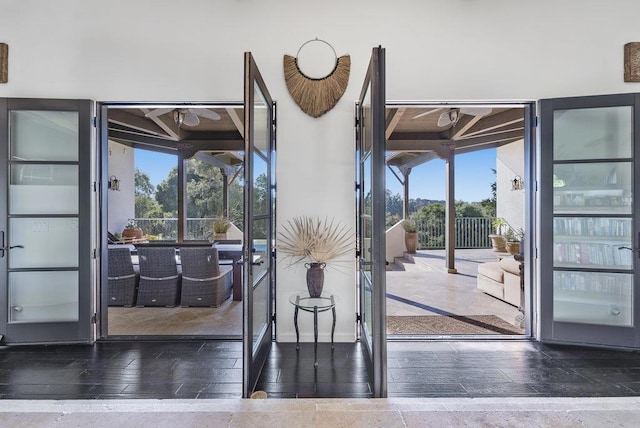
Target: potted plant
<point x="497" y="240"/>
<point x="220" y="227"/>
<point x="512" y="239"/>
<point x="131" y="231"/>
<point x="410" y="236"/>
<point x="316" y="242"/>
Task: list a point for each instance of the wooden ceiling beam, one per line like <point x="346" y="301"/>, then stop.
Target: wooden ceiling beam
<point x="419" y="136"/>
<point x="489" y="123"/>
<point x="170" y="127"/>
<point x="485" y="139"/>
<point x="235" y="118"/>
<point x="413" y="145"/>
<point x="148" y="140"/>
<point x="393" y="118"/>
<point x="132" y="121"/>
<point x="506" y="128"/>
<point x="212" y="135"/>
<point x="489" y="145"/>
<point x="428" y="112"/>
<point x="497" y="135"/>
<point x="464" y="125"/>
<point x="211" y="145"/>
<point x="414" y="161"/>
<point x="426" y="145"/>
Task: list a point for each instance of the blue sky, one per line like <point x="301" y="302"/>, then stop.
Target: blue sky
<point x="156" y="165"/>
<point x="473" y="175"/>
<point x="473" y="178"/>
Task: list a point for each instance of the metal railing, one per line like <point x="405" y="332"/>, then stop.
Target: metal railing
<point x="167" y="228"/>
<point x="470" y="232"/>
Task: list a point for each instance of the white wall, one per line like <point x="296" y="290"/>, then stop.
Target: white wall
<point x="510" y="203"/>
<point x="121" y="203"/>
<point x="147" y="50"/>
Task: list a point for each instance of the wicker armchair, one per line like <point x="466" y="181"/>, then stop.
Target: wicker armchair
<point x="159" y="278"/>
<point x="204" y="281"/>
<point x="122" y="279"/>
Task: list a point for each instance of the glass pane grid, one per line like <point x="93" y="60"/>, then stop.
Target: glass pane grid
<point x="592" y="242"/>
<point x="44" y="135"/>
<point x="45" y="296"/>
<point x="593" y="257"/>
<point x="593" y="298"/>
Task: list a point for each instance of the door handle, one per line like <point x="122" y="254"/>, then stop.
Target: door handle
<point x="4" y="248"/>
<point x="11" y="247"/>
<point x="635" y="250"/>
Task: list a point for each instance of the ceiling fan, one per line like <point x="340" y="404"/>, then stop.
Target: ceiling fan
<point x="186" y="116"/>
<point x="452" y="116"/>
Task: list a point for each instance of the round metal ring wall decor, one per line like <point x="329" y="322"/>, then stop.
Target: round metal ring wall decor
<point x="316" y="96"/>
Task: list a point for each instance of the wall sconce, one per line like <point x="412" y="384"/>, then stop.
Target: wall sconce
<point x="114" y="183"/>
<point x="517" y="183"/>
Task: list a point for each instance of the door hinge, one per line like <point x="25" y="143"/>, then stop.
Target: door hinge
<point x="357" y="122"/>
<point x="94" y="253"/>
<point x="358" y="317"/>
<point x="273" y="318"/>
<point x="357" y="186"/>
<point x="358" y="253"/>
<point x="94" y="319"/>
<point x="95" y="186"/>
<point x="535" y="121"/>
<point x="95" y="121"/>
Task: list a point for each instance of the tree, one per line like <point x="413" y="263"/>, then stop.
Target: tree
<point x="145" y="205"/>
<point x="143" y="185"/>
<point x="204" y="196"/>
<point x="167" y="194"/>
<point x="488" y="207"/>
<point x="434" y="211"/>
<point x="393" y="203"/>
<point x="465" y="209"/>
<point x="260" y="198"/>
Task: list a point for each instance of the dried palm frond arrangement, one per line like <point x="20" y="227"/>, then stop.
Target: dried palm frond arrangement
<point x="314" y="239"/>
<point x="316" y="96"/>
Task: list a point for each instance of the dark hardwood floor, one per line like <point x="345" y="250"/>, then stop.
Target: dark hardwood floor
<point x="213" y="369"/>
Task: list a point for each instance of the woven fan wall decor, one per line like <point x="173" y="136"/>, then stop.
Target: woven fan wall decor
<point x="316" y="96"/>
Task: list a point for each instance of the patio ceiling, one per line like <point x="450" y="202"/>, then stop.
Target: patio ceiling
<point x="412" y="132"/>
<point x="414" y="136"/>
<point x="219" y="141"/>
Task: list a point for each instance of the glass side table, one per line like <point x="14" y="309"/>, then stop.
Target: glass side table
<point x="302" y="301"/>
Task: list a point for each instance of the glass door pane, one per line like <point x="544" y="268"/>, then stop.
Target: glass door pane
<point x="46" y="225"/>
<point x="588" y="179"/>
<point x="29" y="301"/>
<point x="258" y="224"/>
<point x="370" y="156"/>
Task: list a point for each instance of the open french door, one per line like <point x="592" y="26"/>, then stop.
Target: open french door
<point x="590" y="223"/>
<point x="370" y="223"/>
<point x="46" y="231"/>
<point x="259" y="212"/>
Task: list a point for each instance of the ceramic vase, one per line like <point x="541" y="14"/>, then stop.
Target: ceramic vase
<point x="315" y="278"/>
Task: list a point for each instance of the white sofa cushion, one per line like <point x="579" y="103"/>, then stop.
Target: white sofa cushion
<point x="491" y="270"/>
<point x="511" y="265"/>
